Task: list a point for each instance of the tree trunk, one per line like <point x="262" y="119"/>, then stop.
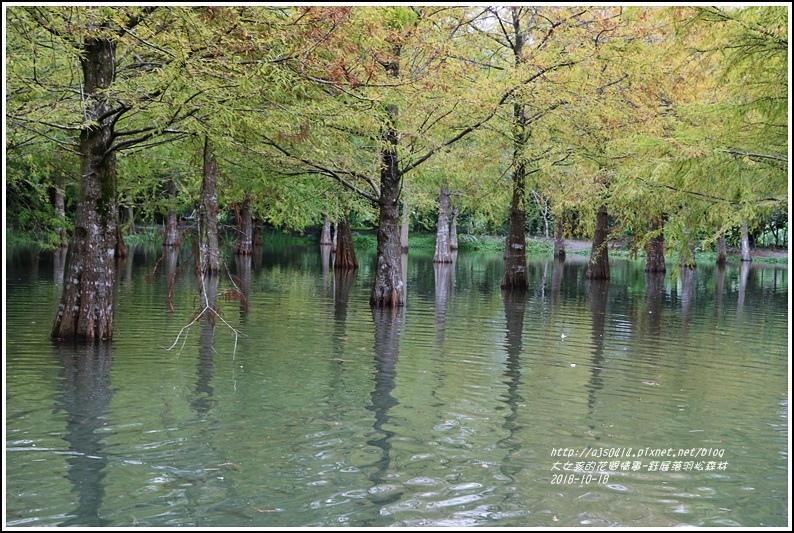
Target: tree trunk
<point x="86" y="309"/>
<point x="722" y="249"/>
<point x="325" y="235"/>
<point x="746" y="257"/>
<point x="598" y="267"/>
<point x="245" y="229"/>
<point x="559" y="237"/>
<point x="171" y="230"/>
<point x="453" y="229"/>
<point x="406" y="217"/>
<point x="121" y="246"/>
<point x="688" y="259"/>
<point x="515" y="256"/>
<point x="345" y="254"/>
<point x="443" y="252"/>
<point x="129" y="218"/>
<point x="208" y="214"/>
<point x="325" y="257"/>
<point x="59" y="264"/>
<point x="60" y="210"/>
<point x="388" y="289"/>
<point x="654" y="249"/>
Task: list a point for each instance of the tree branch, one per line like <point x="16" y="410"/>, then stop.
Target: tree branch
<point x="46" y="123"/>
<point x="338" y="175"/>
<point x="781" y="158"/>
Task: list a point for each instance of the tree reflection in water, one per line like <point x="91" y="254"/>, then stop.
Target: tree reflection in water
<point x="514" y="305"/>
<point x="388" y="327"/>
<point x="202" y="400"/>
<point x="445" y="284"/>
<point x="85" y="396"/>
<point x="598" y="293"/>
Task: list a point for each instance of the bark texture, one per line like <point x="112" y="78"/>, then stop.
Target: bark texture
<point x="746" y="257"/>
<point x="86" y="309"/>
<point x="687" y="259"/>
<point x="453" y="229"/>
<point x="515" y="256"/>
<point x="325" y="235"/>
<point x="404" y="227"/>
<point x="559" y="237"/>
<point x="598" y="267"/>
<point x="245" y="229"/>
<point x="722" y="249"/>
<point x="171" y="230"/>
<point x="60" y="210"/>
<point x="654" y="248"/>
<point x="389" y="289"/>
<point x="345" y="254"/>
<point x="208" y="214"/>
<point x="443" y="251"/>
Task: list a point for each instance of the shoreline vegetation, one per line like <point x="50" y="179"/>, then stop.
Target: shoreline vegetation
<point x="366" y="239"/>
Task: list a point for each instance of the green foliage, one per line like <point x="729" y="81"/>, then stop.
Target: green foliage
<point x="679" y="112"/>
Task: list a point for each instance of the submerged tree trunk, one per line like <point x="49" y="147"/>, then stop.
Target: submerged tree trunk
<point x="345" y="254"/>
<point x="121" y="246"/>
<point x="388" y="289"/>
<point x="171" y="230"/>
<point x="559" y="237"/>
<point x="722" y="249"/>
<point x="598" y="267"/>
<point x="208" y="214"/>
<point x="515" y="259"/>
<point x="443" y="252"/>
<point x="654" y="249"/>
<point x="86" y="309"/>
<point x="60" y="210"/>
<point x="515" y="256"/>
<point x="746" y="257"/>
<point x="406" y="216"/>
<point x="453" y="229"/>
<point x="325" y="234"/>
<point x="245" y="229"/>
<point x="127" y="218"/>
<point x="687" y="259"/>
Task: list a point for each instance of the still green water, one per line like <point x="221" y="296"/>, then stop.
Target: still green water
<point x="638" y="402"/>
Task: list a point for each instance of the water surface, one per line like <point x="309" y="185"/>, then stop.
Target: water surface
<point x="304" y="407"/>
